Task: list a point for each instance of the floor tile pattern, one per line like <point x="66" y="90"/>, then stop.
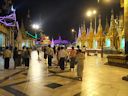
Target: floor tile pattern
<point x="53" y="85"/>
<point x="98" y="80"/>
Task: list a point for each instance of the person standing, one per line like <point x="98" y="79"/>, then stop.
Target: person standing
<point x="72" y="55"/>
<point x="50" y="53"/>
<point x="54" y="49"/>
<point x="23" y="55"/>
<point x="7" y="55"/>
<point x="62" y="55"/>
<point x="80" y="63"/>
<point x="15" y="57"/>
<point x="27" y="57"/>
<point x="45" y="53"/>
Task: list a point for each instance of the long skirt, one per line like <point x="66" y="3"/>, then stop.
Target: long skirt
<point x="72" y="62"/>
<point x="80" y="68"/>
<point x="61" y="63"/>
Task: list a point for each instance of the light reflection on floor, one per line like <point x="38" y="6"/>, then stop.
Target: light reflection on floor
<point x="98" y="80"/>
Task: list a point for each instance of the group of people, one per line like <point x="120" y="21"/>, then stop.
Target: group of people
<point x="64" y="55"/>
<point x="61" y="53"/>
<point x="17" y="56"/>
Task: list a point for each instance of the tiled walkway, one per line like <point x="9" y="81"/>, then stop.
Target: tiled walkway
<point x="99" y="80"/>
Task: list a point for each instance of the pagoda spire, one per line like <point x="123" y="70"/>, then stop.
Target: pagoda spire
<point x="79" y="33"/>
<point x="100" y="29"/>
<point x="22" y="29"/>
<point x="106" y="26"/>
<point x="91" y="28"/>
<point x="121" y="25"/>
<point x="28" y="14"/>
<point x="52" y="43"/>
<point x="84" y="26"/>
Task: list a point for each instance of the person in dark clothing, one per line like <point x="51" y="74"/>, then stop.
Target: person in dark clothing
<point x="15" y="57"/>
<point x="7" y="55"/>
<point x="26" y="57"/>
<point x="45" y="53"/>
<point x="23" y="55"/>
<point x="50" y="53"/>
<point x="54" y="49"/>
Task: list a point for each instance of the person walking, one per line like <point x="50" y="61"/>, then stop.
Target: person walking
<point x="80" y="64"/>
<point x="7" y="55"/>
<point x="72" y="56"/>
<point x="62" y="55"/>
<point x="45" y="53"/>
<point x="50" y="53"/>
<point x="15" y="57"/>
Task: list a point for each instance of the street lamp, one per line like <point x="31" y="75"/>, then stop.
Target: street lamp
<point x="91" y="13"/>
<point x="35" y="27"/>
<point x="74" y="32"/>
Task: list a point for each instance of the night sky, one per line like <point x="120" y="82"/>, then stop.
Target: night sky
<point x="58" y="17"/>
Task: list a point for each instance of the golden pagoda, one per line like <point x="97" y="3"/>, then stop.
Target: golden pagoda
<point x="83" y="35"/>
<point x="121" y="33"/>
<point x="99" y="36"/>
<point x="90" y="36"/>
<point x="112" y="34"/>
<point x="23" y="38"/>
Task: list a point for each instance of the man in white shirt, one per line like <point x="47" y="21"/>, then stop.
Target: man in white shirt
<point x="50" y="53"/>
<point x="62" y="55"/>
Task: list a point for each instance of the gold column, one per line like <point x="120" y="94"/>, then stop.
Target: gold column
<point x="126" y="25"/>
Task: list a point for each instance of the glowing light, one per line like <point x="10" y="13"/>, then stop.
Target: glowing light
<point x="122" y="46"/>
<point x="108" y="43"/>
<point x="94" y="11"/>
<point x="33" y="36"/>
<point x="73" y="30"/>
<point x="11" y="17"/>
<point x="89" y="13"/>
<point x="35" y="26"/>
<point x="95" y="44"/>
<point x="12" y="8"/>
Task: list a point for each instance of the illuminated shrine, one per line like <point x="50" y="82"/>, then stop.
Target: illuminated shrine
<point x="60" y="41"/>
<point x="45" y="40"/>
<point x="8" y="29"/>
<point x="112" y="37"/>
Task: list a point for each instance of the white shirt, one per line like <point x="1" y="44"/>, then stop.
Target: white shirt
<point x="63" y="53"/>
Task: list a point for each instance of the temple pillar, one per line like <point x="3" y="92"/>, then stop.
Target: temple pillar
<point x="126" y="25"/>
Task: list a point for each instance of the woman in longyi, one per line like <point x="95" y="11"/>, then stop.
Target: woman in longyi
<point x="80" y="64"/>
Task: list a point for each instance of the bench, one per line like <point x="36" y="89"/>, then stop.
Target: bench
<point x="118" y="60"/>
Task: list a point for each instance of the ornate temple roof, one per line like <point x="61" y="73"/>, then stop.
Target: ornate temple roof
<point x="60" y="41"/>
<point x="100" y="30"/>
<point x="91" y="33"/>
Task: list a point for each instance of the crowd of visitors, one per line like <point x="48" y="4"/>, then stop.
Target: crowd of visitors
<point x="62" y="55"/>
<point x="58" y="56"/>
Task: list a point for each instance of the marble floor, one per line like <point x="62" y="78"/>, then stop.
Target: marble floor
<point x="99" y="80"/>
